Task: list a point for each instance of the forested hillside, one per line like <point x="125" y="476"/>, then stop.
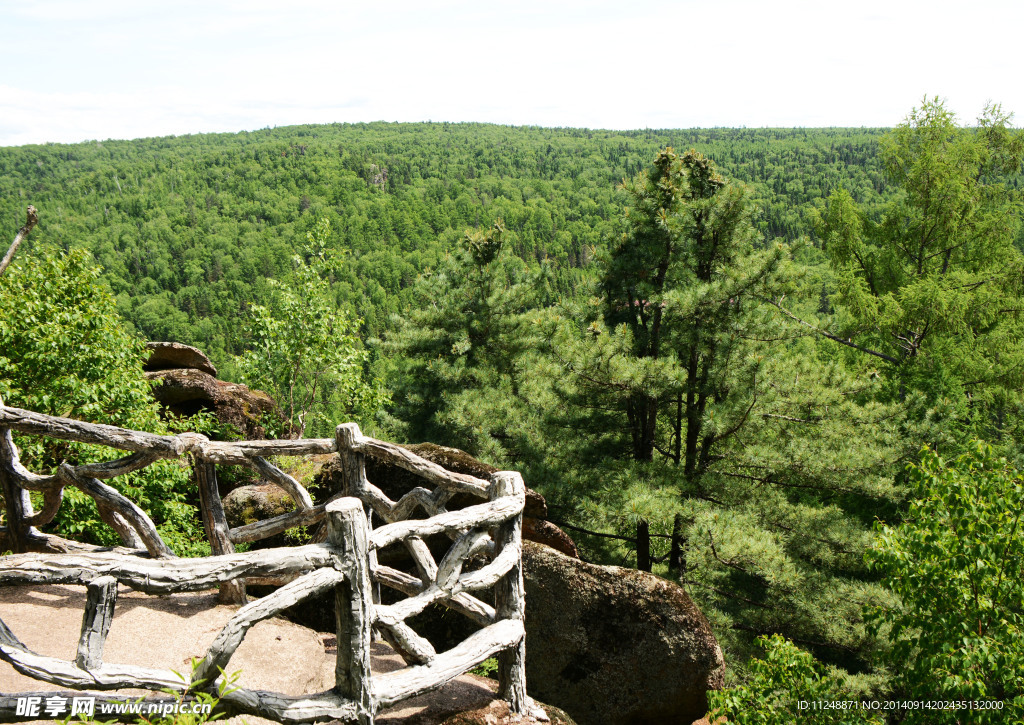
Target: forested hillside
<point x="784" y="368"/>
<point x="188" y="229"/>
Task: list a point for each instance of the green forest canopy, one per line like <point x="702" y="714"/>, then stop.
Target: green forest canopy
<point x="187" y="229"/>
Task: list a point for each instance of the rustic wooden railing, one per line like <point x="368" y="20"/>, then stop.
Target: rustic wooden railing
<point x="345" y="561"/>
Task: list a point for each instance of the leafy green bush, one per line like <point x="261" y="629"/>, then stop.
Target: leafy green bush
<point x="787" y="686"/>
<point x="64" y="351"/>
<point x="955" y="563"/>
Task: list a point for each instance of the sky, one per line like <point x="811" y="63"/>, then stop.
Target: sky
<point x="76" y="70"/>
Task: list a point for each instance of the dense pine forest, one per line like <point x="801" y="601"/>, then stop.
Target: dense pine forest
<point x="783" y="367"/>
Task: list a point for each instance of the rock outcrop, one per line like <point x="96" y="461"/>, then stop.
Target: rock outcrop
<point x="615" y="646"/>
<point x="184" y="383"/>
<point x="175" y="356"/>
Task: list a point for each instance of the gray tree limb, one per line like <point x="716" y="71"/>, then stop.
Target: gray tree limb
<point x="31" y="219"/>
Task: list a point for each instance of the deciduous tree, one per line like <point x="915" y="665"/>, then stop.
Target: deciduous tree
<point x="932" y="288"/>
<point x="955" y="563"/>
<point x="304" y="350"/>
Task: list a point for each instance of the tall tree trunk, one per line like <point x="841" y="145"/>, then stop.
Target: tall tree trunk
<point x="642" y="414"/>
<point x="692" y="416"/>
<point x="675" y="555"/>
<point x="32" y="218"/>
<point x="677" y="453"/>
<point x="643" y="545"/>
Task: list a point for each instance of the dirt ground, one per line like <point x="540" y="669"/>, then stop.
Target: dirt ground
<point x="168" y="631"/>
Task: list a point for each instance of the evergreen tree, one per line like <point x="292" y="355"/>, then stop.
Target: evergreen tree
<point x="678" y="286"/>
<point x="681" y="281"/>
<point x="458" y="375"/>
<point x="701" y="419"/>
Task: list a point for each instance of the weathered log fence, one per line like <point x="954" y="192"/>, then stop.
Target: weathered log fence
<point x="346" y="560"/>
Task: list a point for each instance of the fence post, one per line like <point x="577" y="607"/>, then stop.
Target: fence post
<point x="347" y="536"/>
<point x="509" y="599"/>
<point x="16" y="501"/>
<point x="353" y="467"/>
<point x="216" y="525"/>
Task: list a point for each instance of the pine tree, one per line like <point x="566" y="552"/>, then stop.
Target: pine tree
<point x="678" y="285"/>
<point x="699" y="417"/>
<point x="457" y="358"/>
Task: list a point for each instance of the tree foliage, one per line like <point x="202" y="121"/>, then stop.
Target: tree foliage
<point x="933" y="285"/>
<point x="460" y="374"/>
<point x="955" y="562"/>
<point x="787" y="686"/>
<point x="681" y="282"/>
<point x="188" y="230"/>
<point x="64" y="349"/>
<point x="66" y="352"/>
<point x="305" y="351"/>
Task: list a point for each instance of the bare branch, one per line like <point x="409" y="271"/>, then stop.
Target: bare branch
<point x="829" y="335"/>
<point x="30" y="221"/>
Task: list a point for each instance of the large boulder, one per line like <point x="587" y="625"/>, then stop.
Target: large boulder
<point x="175" y="356"/>
<point x="186" y="391"/>
<point x="178" y="387"/>
<point x="538" y="529"/>
<point x="615" y="646"/>
<point x="252" y="503"/>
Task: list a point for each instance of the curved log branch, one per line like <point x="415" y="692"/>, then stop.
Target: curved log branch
<point x="161" y="576"/>
<point x="423" y="558"/>
<point x="292" y="487"/>
<point x="419" y="496"/>
<point x="395" y="686"/>
<point x="107" y="496"/>
<point x="287" y="708"/>
<point x="119" y="467"/>
<point x="129" y="536"/>
<point x="239" y="453"/>
<point x="111" y="436"/>
<point x="268" y="527"/>
<point x="484" y="514"/>
<point x="463" y="603"/>
<point x="234" y="631"/>
<point x="413" y="648"/>
<point x="52" y="499"/>
<point x="23" y="477"/>
<point x="450" y="568"/>
<point x="105" y="677"/>
<point x="434" y="473"/>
